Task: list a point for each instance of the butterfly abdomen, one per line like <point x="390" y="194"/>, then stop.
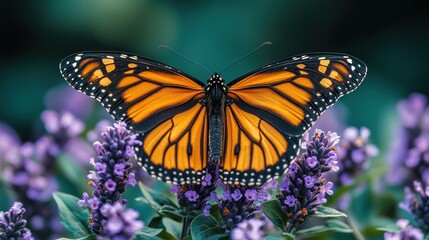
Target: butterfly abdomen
<point x="216" y="95"/>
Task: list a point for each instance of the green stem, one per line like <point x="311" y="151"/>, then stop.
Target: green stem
<point x="354" y="225"/>
<point x="185" y="228"/>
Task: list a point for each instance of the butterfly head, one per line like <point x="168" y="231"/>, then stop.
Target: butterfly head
<point x="216" y="86"/>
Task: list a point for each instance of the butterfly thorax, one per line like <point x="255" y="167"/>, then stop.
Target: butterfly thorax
<point x="216" y="95"/>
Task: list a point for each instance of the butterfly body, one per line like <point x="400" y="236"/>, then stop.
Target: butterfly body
<point x="215" y="98"/>
<point x="251" y="127"/>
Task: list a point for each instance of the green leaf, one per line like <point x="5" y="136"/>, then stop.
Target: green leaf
<point x="393" y="228"/>
<point x="219" y="237"/>
<point x="156" y="199"/>
<point x="171" y="212"/>
<point x="73" y="218"/>
<point x="150" y="232"/>
<point x="158" y="223"/>
<point x="327" y="212"/>
<point x="71" y="169"/>
<point x="89" y="237"/>
<point x="273" y="211"/>
<point x="203" y="227"/>
<point x="329" y="226"/>
<point x="283" y="236"/>
<point x="214" y="212"/>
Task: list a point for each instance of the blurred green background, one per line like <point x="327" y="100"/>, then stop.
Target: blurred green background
<point x="391" y="37"/>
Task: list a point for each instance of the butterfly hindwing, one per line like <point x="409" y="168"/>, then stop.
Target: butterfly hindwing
<point x="254" y="151"/>
<point x="176" y="150"/>
<point x="153" y="99"/>
<point x="279" y="102"/>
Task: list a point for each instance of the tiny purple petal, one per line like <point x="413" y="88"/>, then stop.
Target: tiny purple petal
<point x="312" y="161"/>
<point x="236" y="195"/>
<point x="309" y="181"/>
<point x="250" y="194"/>
<point x="131" y="179"/>
<point x="175" y="189"/>
<point x="192" y="196"/>
<point x="290" y="201"/>
<point x="110" y="185"/>
<point x="119" y="169"/>
<point x="206" y="209"/>
<point x="98" y="147"/>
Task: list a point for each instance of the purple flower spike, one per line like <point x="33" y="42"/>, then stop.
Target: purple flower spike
<point x="417" y="204"/>
<point x="12" y="223"/>
<point x="239" y="203"/>
<point x="193" y="198"/>
<point x="111" y="176"/>
<point x="406" y="232"/>
<point x="118" y="222"/>
<point x="304" y="186"/>
<point x="409" y="153"/>
<point x="353" y="154"/>
<point x="248" y="230"/>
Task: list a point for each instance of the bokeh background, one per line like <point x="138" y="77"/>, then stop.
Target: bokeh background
<point x="391" y="37"/>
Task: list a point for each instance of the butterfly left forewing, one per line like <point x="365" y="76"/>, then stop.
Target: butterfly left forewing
<point x="288" y="96"/>
<point x="158" y="101"/>
<point x="141" y="92"/>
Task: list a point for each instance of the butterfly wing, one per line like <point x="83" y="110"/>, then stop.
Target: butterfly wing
<point x="156" y="100"/>
<point x="270" y="108"/>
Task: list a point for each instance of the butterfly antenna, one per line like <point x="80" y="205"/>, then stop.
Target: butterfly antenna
<point x="245" y="56"/>
<point x="184" y="57"/>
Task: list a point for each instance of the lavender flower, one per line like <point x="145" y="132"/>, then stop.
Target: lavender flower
<point x="118" y="222"/>
<point x="304" y="186"/>
<point x="110" y="178"/>
<point x="417" y="204"/>
<point x="9" y="141"/>
<point x="410" y="149"/>
<point x="193" y="197"/>
<point x="407" y="232"/>
<point x="64" y="129"/>
<point x="250" y="229"/>
<point x="239" y="203"/>
<point x="30" y="178"/>
<point x="12" y="224"/>
<point x="353" y="153"/>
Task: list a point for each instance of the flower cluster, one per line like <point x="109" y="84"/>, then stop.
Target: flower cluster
<point x="30" y="177"/>
<point x="118" y="222"/>
<point x="353" y="153"/>
<point x="110" y="177"/>
<point x="193" y="197"/>
<point x="64" y="130"/>
<point x="407" y="232"/>
<point x="304" y="186"/>
<point x="250" y="229"/>
<point x="417" y="204"/>
<point x="12" y="224"/>
<point x="410" y="150"/>
<point x="239" y="203"/>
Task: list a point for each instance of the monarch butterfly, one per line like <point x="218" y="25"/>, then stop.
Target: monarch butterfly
<point x="250" y="127"/>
